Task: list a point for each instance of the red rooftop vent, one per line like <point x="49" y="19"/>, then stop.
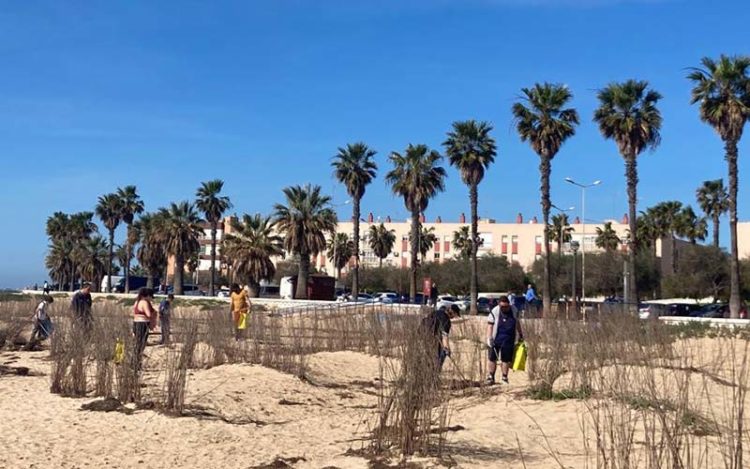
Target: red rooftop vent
<point x="519" y="218"/>
<point x="462" y="218"/>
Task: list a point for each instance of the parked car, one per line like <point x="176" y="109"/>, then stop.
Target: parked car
<point x="715" y="310"/>
<point x="445" y="301"/>
<point x="652" y="310"/>
<point x="388" y="297"/>
<point x="188" y="290"/>
<point x="683" y="309"/>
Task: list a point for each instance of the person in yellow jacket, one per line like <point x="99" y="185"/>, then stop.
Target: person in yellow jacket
<point x="240" y="309"/>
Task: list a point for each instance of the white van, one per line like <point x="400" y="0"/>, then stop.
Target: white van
<point x="286" y="288"/>
<point x="116" y="279"/>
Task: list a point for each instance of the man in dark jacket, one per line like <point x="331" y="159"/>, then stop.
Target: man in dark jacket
<point x="81" y="306"/>
<point x="438" y="326"/>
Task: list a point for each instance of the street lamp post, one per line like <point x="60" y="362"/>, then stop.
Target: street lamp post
<point x="335" y="244"/>
<point x="583" y="240"/>
<point x="574" y="248"/>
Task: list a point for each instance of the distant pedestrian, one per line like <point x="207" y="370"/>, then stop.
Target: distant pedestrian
<point x="143" y="320"/>
<point x="81" y="306"/>
<point x="240" y="309"/>
<point x="502" y="330"/>
<point x="165" y="318"/>
<point x="531" y="297"/>
<point x="42" y="324"/>
<point x="438" y="327"/>
<point x="45" y="287"/>
<point x="36" y="286"/>
<point x="433" y="295"/>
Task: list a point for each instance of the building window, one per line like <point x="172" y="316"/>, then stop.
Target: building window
<point x="437" y="255"/>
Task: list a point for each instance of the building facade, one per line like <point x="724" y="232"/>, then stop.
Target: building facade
<point x="521" y="241"/>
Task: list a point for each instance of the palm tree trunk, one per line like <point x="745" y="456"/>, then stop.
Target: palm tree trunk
<point x="414" y="256"/>
<point x="380" y="262"/>
<point x="545" y="167"/>
<point x="128" y="251"/>
<point x="734" y="263"/>
<point x="211" y="291"/>
<point x="150" y="281"/>
<point x="109" y="260"/>
<point x="631" y="175"/>
<point x="673" y="253"/>
<point x="716" y="229"/>
<point x="355" y="277"/>
<point x="474" y="286"/>
<point x="179" y="269"/>
<point x="302" y="276"/>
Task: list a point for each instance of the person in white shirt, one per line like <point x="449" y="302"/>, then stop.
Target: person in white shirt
<point x="42" y="323"/>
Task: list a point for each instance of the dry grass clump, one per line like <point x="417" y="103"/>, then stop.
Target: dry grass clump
<point x="653" y="397"/>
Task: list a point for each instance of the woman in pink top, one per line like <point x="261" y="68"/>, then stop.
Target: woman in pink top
<point x="143" y="320"/>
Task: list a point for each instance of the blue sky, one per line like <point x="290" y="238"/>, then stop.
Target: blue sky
<point x="164" y="95"/>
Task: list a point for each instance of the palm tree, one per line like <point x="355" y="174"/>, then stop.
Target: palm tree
<point x="382" y="241"/>
<point x="91" y="258"/>
<point x="627" y="114"/>
<point x="213" y="207"/>
<point x="462" y="243"/>
<point x="713" y="200"/>
<point x="723" y="90"/>
<point x="471" y="150"/>
<point x="109" y="211"/>
<point x="560" y="231"/>
<point x="355" y="168"/>
<point x="340" y="251"/>
<point x="151" y="250"/>
<point x="543" y="120"/>
<point x="305" y="219"/>
<point x="250" y="249"/>
<point x="132" y="205"/>
<point x="180" y="226"/>
<point x="59" y="261"/>
<point x="666" y="219"/>
<point x="417" y="178"/>
<point x="607" y="238"/>
<point x="647" y="232"/>
<point x="690" y="226"/>
<point x="121" y="255"/>
<point x="426" y="239"/>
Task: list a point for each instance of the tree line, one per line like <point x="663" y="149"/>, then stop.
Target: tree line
<point x="627" y="113"/>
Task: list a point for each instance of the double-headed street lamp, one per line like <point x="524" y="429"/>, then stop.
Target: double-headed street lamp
<point x="583" y="240"/>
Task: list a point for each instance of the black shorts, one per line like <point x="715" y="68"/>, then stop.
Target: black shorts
<point x="505" y="352"/>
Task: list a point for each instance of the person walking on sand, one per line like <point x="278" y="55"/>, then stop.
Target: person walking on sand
<point x="240" y="309"/>
<point x="502" y="329"/>
<point x="42" y="325"/>
<point x="81" y="306"/>
<point x="45" y="288"/>
<point x="438" y="326"/>
<point x="144" y="319"/>
<point x="165" y="316"/>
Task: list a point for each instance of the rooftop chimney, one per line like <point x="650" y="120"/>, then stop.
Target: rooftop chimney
<point x="370" y="218"/>
<point x="388" y="219"/>
<point x="438" y="219"/>
<point x="534" y="221"/>
<point x="577" y="221"/>
<point x="519" y="218"/>
<point x="625" y="219"/>
<point x="421" y="218"/>
<point x="462" y="218"/>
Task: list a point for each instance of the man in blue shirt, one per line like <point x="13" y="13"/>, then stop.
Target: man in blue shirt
<point x="530" y="294"/>
<point x="502" y="329"/>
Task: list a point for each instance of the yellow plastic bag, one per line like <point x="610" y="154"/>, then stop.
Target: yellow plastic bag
<point x="519" y="357"/>
<point x="242" y="323"/>
<point x="119" y="351"/>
